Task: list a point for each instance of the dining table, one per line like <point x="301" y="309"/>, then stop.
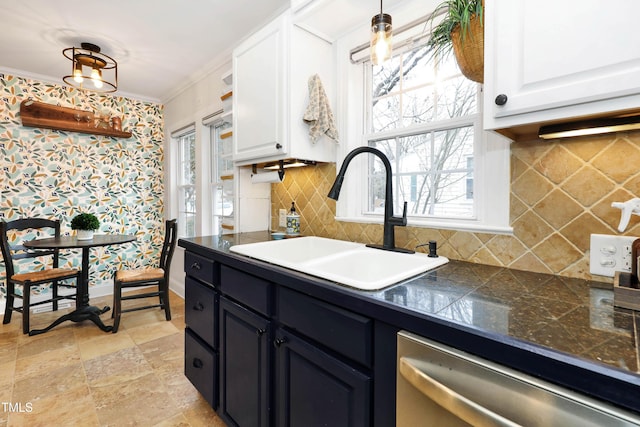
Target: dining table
<point x="83" y="311"/>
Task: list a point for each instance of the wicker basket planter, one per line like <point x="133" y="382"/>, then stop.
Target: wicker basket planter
<point x="461" y="30"/>
<point x="470" y="51"/>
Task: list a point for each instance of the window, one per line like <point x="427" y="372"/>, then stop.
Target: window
<point x="422" y="116"/>
<point x="222" y="183"/>
<point x="187" y="183"/>
<point x="427" y="119"/>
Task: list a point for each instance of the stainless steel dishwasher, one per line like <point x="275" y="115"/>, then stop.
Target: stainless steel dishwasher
<point x="442" y="386"/>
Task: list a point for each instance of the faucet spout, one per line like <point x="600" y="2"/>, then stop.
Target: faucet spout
<point x="390" y="221"/>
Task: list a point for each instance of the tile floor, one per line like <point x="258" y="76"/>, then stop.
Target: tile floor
<point x="77" y="375"/>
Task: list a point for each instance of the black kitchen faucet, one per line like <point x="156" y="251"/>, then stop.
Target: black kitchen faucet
<point x="390" y="221"/>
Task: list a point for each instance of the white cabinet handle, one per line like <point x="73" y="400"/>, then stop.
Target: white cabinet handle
<point x="465" y="409"/>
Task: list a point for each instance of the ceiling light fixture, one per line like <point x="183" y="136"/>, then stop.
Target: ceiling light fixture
<point x="590" y="127"/>
<point x="381" y="35"/>
<point x="102" y="70"/>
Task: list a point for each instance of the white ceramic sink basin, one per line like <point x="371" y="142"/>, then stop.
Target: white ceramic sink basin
<point x="347" y="263"/>
<point x="291" y="252"/>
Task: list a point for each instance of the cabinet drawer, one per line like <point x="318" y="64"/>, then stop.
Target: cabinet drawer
<point x="347" y="333"/>
<point x="201" y="367"/>
<point x="201" y="310"/>
<point x="200" y="267"/>
<point x="250" y="290"/>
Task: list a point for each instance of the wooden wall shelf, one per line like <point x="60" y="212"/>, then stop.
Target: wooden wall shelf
<point x="41" y="115"/>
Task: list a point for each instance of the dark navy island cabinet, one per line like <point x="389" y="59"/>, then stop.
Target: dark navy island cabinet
<point x="201" y="334"/>
<point x="272" y="356"/>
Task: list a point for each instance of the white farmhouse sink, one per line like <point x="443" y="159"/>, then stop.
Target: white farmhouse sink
<point x="347" y="263"/>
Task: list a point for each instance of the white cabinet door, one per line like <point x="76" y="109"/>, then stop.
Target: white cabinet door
<point x="559" y="59"/>
<point x="258" y="100"/>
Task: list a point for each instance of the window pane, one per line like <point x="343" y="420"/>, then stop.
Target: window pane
<point x="385" y="77"/>
<point x="222" y="188"/>
<point x="456" y="98"/>
<point x="432" y="172"/>
<point x="417" y="106"/>
<point x="186" y="185"/>
<point x="386" y="113"/>
<point x="188" y="159"/>
<point x="417" y="71"/>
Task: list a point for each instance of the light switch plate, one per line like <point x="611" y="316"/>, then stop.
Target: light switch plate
<point x="282" y="218"/>
<point x="610" y="254"/>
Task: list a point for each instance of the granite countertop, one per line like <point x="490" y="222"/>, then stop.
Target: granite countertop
<point x="571" y="317"/>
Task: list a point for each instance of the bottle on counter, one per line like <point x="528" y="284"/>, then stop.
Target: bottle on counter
<point x="293" y="221"/>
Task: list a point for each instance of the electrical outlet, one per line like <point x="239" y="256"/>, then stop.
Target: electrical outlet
<point x="610" y="254"/>
<point x="282" y="218"/>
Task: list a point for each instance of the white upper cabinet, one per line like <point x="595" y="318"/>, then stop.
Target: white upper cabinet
<point x="271" y="70"/>
<point x="550" y="60"/>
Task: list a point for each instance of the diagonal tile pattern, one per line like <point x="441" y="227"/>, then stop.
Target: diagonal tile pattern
<point x="561" y="192"/>
<point x="78" y="375"/>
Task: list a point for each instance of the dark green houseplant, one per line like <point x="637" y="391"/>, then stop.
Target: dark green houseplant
<point x="85" y="224"/>
<point x="460" y="31"/>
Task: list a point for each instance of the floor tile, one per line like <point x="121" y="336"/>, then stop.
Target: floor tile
<point x="118" y="367"/>
<point x="104" y="343"/>
<point x="73" y="407"/>
<point x="151" y="331"/>
<point x="40" y="364"/>
<point x="56" y="381"/>
<point x="142" y="401"/>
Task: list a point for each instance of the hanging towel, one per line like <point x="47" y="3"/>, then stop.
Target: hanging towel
<point x="318" y="115"/>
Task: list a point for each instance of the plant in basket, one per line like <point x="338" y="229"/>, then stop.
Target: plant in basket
<point x="460" y="31"/>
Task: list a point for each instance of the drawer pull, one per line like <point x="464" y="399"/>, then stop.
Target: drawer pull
<point x="198" y="306"/>
<point x="279" y="341"/>
<point x="259" y="332"/>
<point x="197" y="363"/>
<point x="196" y="266"/>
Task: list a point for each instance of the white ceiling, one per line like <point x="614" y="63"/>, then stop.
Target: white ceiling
<point x="161" y="46"/>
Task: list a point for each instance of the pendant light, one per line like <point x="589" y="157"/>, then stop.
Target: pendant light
<point x="101" y="73"/>
<point x="381" y="34"/>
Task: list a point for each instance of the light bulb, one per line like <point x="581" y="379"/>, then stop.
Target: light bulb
<point x="381" y="35"/>
<point x="382" y="47"/>
<point x="96" y="77"/>
<point x="77" y="73"/>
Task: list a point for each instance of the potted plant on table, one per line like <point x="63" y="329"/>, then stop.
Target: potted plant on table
<point x="86" y="224"/>
<point x="461" y="31"/>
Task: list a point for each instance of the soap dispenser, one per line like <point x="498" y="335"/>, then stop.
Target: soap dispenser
<point x="293" y="221"/>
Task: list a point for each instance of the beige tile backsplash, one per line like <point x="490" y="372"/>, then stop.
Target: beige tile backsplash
<point x="561" y="192"/>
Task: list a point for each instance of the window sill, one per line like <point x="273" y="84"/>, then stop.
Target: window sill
<point x="457" y="225"/>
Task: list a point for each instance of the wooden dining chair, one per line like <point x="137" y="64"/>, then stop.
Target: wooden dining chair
<point x="149" y="276"/>
<point x="38" y="272"/>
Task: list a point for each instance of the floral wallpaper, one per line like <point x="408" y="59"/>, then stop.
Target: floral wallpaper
<point x="58" y="174"/>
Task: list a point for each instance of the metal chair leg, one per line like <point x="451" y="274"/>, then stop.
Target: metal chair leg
<point x="117" y="295"/>
<point x="26" y="302"/>
<point x="9" y="307"/>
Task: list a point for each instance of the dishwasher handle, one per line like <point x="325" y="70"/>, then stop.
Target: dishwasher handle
<point x="458" y="405"/>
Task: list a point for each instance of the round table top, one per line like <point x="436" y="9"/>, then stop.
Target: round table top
<point x="70" y="242"/>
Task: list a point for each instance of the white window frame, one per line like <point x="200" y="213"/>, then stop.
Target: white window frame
<point x="219" y="222"/>
<point x="179" y="137"/>
<point x="491" y="156"/>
